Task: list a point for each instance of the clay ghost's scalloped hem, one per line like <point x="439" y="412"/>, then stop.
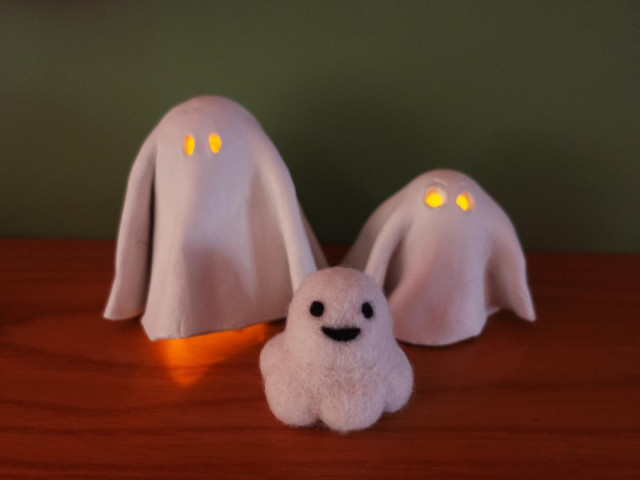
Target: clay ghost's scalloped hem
<point x="430" y="342"/>
<point x="152" y="333"/>
<point x="119" y="317"/>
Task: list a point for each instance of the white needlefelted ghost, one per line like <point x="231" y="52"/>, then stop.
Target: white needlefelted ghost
<point x="211" y="237"/>
<point x="336" y="361"/>
<point x="448" y="257"/>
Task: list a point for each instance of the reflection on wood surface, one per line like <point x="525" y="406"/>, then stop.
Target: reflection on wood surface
<point x="188" y="359"/>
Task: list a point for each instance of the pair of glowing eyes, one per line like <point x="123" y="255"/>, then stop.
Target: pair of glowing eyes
<point x="436" y="197"/>
<point x="215" y="144"/>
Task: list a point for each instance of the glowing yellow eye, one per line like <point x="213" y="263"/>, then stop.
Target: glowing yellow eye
<point x="189" y="145"/>
<point x="435" y="197"/>
<point x="215" y="142"/>
<point x="465" y="201"/>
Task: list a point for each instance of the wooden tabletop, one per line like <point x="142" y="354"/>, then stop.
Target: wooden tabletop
<point x="82" y="397"/>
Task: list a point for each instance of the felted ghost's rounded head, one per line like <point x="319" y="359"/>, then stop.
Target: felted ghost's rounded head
<point x="339" y="312"/>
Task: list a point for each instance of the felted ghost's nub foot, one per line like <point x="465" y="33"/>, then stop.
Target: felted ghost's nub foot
<point x="350" y="411"/>
<point x="286" y="395"/>
<point x="287" y="407"/>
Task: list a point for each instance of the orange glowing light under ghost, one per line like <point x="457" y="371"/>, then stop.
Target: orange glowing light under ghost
<point x="188" y="359"/>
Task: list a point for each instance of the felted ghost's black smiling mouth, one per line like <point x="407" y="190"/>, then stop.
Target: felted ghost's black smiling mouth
<point x="341" y="334"/>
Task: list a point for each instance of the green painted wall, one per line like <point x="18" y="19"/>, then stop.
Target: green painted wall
<point x="539" y="101"/>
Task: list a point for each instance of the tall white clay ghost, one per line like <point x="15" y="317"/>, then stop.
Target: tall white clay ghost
<point x="448" y="257"/>
<point x="337" y="360"/>
<point x="211" y="236"/>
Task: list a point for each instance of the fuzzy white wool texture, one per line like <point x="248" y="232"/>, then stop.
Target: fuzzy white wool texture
<point x="314" y="371"/>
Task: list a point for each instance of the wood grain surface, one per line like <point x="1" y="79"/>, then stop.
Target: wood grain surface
<point x="81" y="397"/>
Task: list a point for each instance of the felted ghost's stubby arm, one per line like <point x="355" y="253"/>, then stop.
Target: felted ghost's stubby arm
<point x="129" y="289"/>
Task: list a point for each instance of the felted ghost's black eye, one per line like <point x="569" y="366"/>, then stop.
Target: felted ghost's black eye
<point x="316" y="309"/>
<point x="367" y="310"/>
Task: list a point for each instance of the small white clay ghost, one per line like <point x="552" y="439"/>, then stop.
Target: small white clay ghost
<point x="212" y="236"/>
<point x="336" y="361"/>
<point x="448" y="257"/>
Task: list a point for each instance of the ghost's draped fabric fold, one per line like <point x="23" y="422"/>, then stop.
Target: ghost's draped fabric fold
<point x="296" y="231"/>
<point x="211" y="238"/>
<point x="508" y="270"/>
<point x="129" y="288"/>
